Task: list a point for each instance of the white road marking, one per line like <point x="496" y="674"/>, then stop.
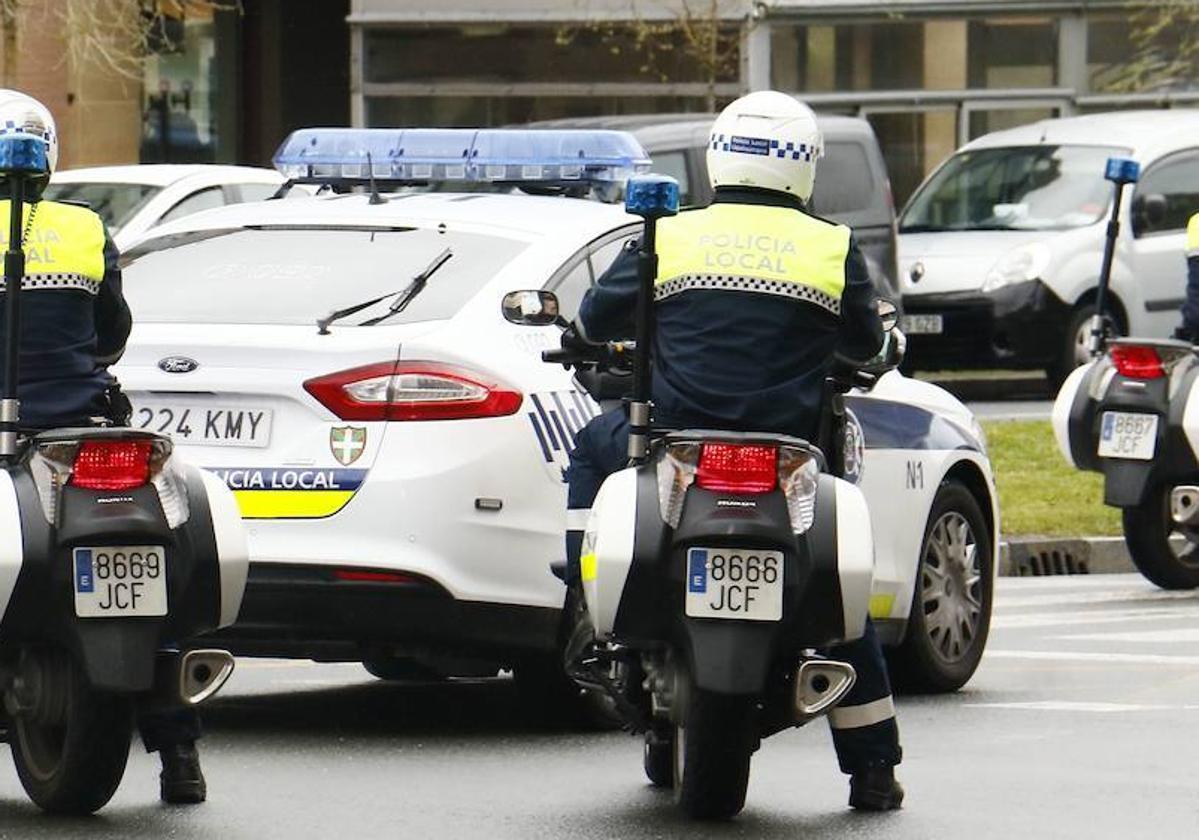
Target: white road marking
<point x="1090" y="656"/>
<point x="1059" y="618"/>
<point x="1181" y="634"/>
<point x="1074" y="706"/>
<point x="1081" y="598"/>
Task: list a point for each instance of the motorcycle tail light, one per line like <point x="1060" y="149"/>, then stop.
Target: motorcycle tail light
<point x="737" y="468"/>
<point x="1137" y="361"/>
<point x="676" y="473"/>
<point x="111" y="464"/>
<point x="798" y="475"/>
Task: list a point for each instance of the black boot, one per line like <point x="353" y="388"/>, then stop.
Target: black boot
<point x="875" y="789"/>
<point x="182" y="783"/>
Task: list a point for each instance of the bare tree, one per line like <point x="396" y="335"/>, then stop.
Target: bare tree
<point x="111" y="36"/>
<point x="1164" y="49"/>
<point x="695" y="42"/>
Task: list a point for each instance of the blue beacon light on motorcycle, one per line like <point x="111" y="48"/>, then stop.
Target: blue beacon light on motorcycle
<point x="22" y="153"/>
<point x="652" y="196"/>
<point x="430" y="155"/>
<point x="1122" y="171"/>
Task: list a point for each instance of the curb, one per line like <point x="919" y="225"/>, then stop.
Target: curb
<point x="1035" y="557"/>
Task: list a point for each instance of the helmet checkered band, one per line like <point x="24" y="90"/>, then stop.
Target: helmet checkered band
<point x="796" y="151"/>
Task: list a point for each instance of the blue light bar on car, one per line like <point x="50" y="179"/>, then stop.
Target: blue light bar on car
<point x="512" y="156"/>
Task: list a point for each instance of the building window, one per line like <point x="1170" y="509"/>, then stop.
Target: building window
<point x="179" y="115"/>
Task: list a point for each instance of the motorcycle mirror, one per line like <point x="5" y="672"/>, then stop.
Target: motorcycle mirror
<point x="887" y="313"/>
<point x="530" y="308"/>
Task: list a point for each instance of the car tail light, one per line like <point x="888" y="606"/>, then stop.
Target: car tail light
<point x="111" y="464"/>
<point x="737" y="468"/>
<point x="1137" y="361"/>
<point x="413" y="391"/>
<point x="367" y="576"/>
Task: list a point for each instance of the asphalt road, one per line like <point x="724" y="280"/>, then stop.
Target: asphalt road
<point x="1081" y="723"/>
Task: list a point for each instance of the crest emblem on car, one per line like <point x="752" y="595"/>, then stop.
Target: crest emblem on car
<point x="917" y="272"/>
<point x="347" y="443"/>
<point x="177" y="364"/>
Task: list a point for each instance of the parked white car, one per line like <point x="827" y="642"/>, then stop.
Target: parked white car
<point x="397" y="447"/>
<point x="133" y="199"/>
<point x="1000" y="249"/>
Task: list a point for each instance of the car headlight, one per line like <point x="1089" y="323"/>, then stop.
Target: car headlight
<point x="1028" y="262"/>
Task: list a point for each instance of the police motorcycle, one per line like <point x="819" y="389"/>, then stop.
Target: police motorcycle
<point x="1132" y="414"/>
<point x="112" y="554"/>
<point x="714" y="566"/>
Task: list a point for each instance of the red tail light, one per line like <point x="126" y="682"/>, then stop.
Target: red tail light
<point x="112" y="464"/>
<point x="412" y="391"/>
<point x="364" y="576"/>
<point x="737" y="468"/>
<point x="1136" y="361"/>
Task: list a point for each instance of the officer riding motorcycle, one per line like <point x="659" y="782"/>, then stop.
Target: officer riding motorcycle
<point x="754" y="297"/>
<point x="75" y="324"/>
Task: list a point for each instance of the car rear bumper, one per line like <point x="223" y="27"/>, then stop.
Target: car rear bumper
<point x="1018" y="326"/>
<point x="306" y="611"/>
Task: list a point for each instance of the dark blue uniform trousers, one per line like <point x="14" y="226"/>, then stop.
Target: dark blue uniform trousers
<point x="865" y="733"/>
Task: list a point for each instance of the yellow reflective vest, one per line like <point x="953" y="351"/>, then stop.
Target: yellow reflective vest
<point x="1193" y="236"/>
<point x="64" y="246"/>
<point x="764" y="249"/>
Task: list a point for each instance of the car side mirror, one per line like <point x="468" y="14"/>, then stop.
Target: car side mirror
<point x="531" y="308"/>
<point x="887" y="313"/>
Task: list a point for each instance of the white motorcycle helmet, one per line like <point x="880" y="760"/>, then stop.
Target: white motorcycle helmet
<point x="767" y="140"/>
<point x="22" y="113"/>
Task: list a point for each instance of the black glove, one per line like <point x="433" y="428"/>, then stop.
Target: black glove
<point x="573" y="340"/>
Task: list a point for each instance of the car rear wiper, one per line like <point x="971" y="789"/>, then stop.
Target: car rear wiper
<point x="402" y="298"/>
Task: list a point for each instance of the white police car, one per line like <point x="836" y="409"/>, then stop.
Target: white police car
<point x="397" y="447"/>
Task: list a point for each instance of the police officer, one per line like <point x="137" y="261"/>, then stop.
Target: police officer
<point x="753" y="298"/>
<point x="74" y="325"/>
<point x="1189" y="331"/>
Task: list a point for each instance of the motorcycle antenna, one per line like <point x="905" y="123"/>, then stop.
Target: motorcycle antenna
<point x="22" y="158"/>
<point x="1121" y="172"/>
<point x="651" y="197"/>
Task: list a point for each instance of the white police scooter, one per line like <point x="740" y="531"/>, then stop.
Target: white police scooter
<point x="713" y="568"/>
<point x="112" y="555"/>
<point x="1133" y="415"/>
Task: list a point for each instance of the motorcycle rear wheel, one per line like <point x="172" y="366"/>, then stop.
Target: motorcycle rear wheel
<point x="73" y="765"/>
<point x="1147" y="532"/>
<point x="712" y="752"/>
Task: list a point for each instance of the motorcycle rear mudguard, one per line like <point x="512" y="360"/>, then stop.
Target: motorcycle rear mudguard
<point x="634" y="575"/>
<point x="206" y="560"/>
<point x="1078" y="416"/>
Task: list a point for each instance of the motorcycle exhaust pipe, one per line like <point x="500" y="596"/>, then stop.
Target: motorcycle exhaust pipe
<point x="820" y="684"/>
<point x="1184" y="505"/>
<point x="191" y="678"/>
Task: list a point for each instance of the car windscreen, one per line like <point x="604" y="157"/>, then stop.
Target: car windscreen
<point x="295" y="275"/>
<point x="116" y="203"/>
<point x="1014" y="188"/>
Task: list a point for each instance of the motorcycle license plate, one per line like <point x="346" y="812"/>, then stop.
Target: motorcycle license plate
<point x="734" y="583"/>
<point x="117" y="581"/>
<point x="1126" y="434"/>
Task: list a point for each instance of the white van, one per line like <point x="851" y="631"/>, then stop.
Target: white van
<point x="1000" y="248"/>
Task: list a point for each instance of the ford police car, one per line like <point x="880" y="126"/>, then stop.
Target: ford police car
<point x="397" y="447"/>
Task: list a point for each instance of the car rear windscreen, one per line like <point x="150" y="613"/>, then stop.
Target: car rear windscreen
<point x="295" y="275"/>
<point x="116" y="203"/>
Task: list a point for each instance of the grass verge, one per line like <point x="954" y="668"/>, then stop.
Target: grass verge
<point x="1039" y="493"/>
